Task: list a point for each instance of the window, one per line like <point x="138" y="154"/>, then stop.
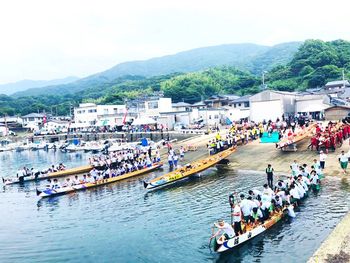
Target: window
<point x="234" y="105"/>
<point x="230" y="113"/>
<point x="31" y="119"/>
<point x="105" y="111"/>
<point x="239" y="104"/>
<point x="92" y="110"/>
<point x="209" y="117"/>
<point x="79" y="112"/>
<point x="153" y="105"/>
<point x="246" y="104"/>
<point x="216" y="116"/>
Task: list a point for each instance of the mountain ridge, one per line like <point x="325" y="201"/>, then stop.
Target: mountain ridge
<point x="240" y="56"/>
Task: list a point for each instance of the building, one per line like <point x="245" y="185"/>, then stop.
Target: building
<point x="271" y="104"/>
<point x="337" y="84"/>
<point x="57" y="126"/>
<point x="210" y="116"/>
<point x="312" y="104"/>
<point x="154" y="107"/>
<point x="219" y="101"/>
<point x="335" y="113"/>
<point x="90" y="114"/>
<point x="33" y="121"/>
<point x="181" y="106"/>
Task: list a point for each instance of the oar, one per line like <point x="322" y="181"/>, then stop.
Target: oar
<point x="210" y="239"/>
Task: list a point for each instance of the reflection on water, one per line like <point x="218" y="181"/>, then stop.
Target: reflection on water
<point x="122" y="222"/>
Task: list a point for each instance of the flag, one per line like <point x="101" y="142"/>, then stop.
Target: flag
<point x="124" y="118"/>
<point x="44" y="119"/>
<point x="228" y="121"/>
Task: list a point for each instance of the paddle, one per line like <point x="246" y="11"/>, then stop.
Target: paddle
<point x="231" y="200"/>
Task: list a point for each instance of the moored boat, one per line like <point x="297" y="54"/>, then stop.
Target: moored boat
<point x="42" y="176"/>
<point x="189" y="169"/>
<point x="69" y="189"/>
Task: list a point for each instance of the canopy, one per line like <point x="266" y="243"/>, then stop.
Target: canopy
<point x="143" y="121"/>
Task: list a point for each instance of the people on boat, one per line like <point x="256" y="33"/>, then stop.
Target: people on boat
<point x="225" y="229"/>
<point x="237" y="219"/>
<point x="56" y="184"/>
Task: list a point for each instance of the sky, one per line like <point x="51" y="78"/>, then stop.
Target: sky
<point x="48" y="39"/>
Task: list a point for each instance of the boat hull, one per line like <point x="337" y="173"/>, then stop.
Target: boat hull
<point x="65" y="190"/>
<point x="184" y="172"/>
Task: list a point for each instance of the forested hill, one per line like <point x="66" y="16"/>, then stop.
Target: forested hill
<point x="314" y="63"/>
<point x="248" y="57"/>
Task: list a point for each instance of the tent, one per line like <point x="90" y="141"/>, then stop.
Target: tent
<point x="143" y="121"/>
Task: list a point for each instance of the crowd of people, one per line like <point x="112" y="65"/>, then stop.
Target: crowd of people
<point x="25" y="171"/>
<point x="111" y="165"/>
<point x="257" y="206"/>
<point x="329" y="137"/>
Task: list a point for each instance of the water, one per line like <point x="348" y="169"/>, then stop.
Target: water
<point x="124" y="223"/>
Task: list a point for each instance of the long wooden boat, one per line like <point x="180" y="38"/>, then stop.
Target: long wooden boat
<point x="297" y="138"/>
<point x="251" y="232"/>
<point x="69" y="189"/>
<point x="189" y="169"/>
<point x="42" y="176"/>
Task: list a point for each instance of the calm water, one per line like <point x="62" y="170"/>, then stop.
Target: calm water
<point x="123" y="223"/>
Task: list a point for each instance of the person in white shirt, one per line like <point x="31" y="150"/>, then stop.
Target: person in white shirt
<point x="295" y="167"/>
<point x="227" y="230"/>
<point x="323" y="158"/>
<point x="268" y="190"/>
<point x="254" y="193"/>
<point x="343" y="160"/>
<point x="246" y="207"/>
<point x="237" y="215"/>
<point x="294" y="194"/>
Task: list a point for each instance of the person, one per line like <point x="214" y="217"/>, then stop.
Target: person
<point x="343" y="160"/>
<point x="94" y="173"/>
<point x="256" y="216"/>
<point x="56" y="184"/>
<point x="295" y="167"/>
<point x="227" y="230"/>
<point x="175" y="160"/>
<point x="182" y="153"/>
<point x="246" y="207"/>
<point x="170" y="161"/>
<point x="76" y="180"/>
<point x="269" y="172"/>
<point x="237" y="215"/>
<point x="323" y="158"/>
<point x="254" y="193"/>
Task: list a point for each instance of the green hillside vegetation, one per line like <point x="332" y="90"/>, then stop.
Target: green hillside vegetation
<point x="314" y="63"/>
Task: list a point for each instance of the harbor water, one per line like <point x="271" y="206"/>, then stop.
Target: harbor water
<point x="122" y="222"/>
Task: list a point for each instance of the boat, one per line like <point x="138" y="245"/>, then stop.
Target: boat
<point x="284" y="143"/>
<point x="69" y="189"/>
<point x="251" y="232"/>
<point x="42" y="176"/>
<point x="189" y="169"/>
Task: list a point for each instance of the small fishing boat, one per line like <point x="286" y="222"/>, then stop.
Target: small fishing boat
<point x="189" y="169"/>
<point x="284" y="143"/>
<point x="69" y="189"/>
<point x="42" y="176"/>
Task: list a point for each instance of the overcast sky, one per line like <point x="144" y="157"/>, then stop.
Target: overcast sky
<point x="47" y="39"/>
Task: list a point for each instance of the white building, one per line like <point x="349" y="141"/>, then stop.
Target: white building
<point x="271" y="104"/>
<point x="33" y="121"/>
<point x="57" y="126"/>
<point x="154" y="107"/>
<point x="90" y="114"/>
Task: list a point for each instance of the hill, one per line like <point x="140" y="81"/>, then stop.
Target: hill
<point x="249" y="57"/>
<point x="22" y="85"/>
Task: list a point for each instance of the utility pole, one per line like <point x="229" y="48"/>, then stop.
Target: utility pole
<point x="343" y="73"/>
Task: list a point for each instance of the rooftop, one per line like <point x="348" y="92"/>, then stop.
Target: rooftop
<point x="34" y="115"/>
